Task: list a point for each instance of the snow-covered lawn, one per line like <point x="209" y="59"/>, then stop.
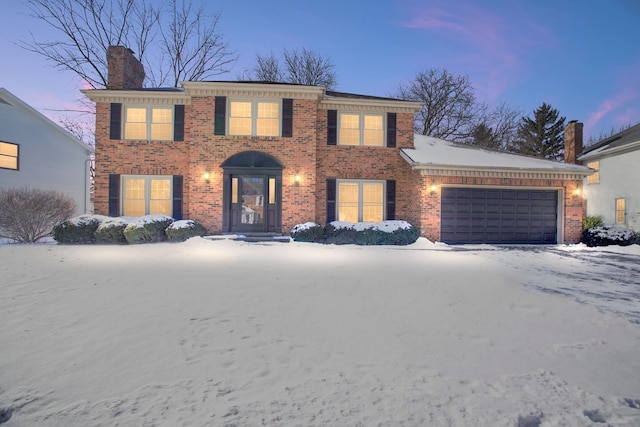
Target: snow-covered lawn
<point x="226" y="333"/>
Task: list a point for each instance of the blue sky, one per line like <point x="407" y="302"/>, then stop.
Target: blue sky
<point x="582" y="57"/>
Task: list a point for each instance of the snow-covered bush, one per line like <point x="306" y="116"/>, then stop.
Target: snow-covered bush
<point x="592" y="222"/>
<point x="29" y="214"/>
<point x="147" y="229"/>
<point x="308" y="232"/>
<point x="182" y="230"/>
<point x="111" y="230"/>
<point x="606" y="235"/>
<point x="78" y="230"/>
<point x="371" y="233"/>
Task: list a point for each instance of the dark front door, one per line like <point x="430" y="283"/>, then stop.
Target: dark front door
<point x="254" y="204"/>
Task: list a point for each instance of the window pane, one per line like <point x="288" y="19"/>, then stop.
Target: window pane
<point x="349" y="129"/>
<point x="135" y="131"/>
<point x="240" y="109"/>
<point x="136" y="115"/>
<point x="8" y="162"/>
<point x="595" y="178"/>
<point x="234" y="190"/>
<point x="239" y="126"/>
<point x="160" y="189"/>
<point x="162" y="207"/>
<point x="134" y="188"/>
<point x="268" y="110"/>
<point x="620" y="211"/>
<point x="134" y="208"/>
<point x="272" y="191"/>
<point x="162" y="115"/>
<point x="8" y="155"/>
<point x="268" y="127"/>
<point x="372" y="202"/>
<point x="373" y="131"/>
<point x="348" y="196"/>
<point x="162" y="132"/>
<point x="8" y="149"/>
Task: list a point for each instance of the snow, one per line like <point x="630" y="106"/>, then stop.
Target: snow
<point x="438" y="152"/>
<point x="221" y="332"/>
<point x="182" y="223"/>
<point x="387" y="226"/>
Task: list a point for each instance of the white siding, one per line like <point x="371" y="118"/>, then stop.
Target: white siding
<point x="619" y="178"/>
<point x="49" y="158"/>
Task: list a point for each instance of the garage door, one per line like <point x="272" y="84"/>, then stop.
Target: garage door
<point x="481" y="215"/>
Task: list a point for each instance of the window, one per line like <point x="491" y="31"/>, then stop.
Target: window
<point x="595" y="178"/>
<point x="8" y="156"/>
<point x="361" y="129"/>
<point x="254" y="118"/>
<point x="150" y="123"/>
<point x="620" y="211"/>
<point x="146" y="194"/>
<point x="360" y="201"/>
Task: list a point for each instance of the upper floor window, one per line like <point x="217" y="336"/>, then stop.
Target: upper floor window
<point x="620" y="211"/>
<point x="595" y="178"/>
<point x="150" y="123"/>
<point x="254" y="118"/>
<point x="361" y="129"/>
<point x="8" y="156"/>
<point x="146" y="194"/>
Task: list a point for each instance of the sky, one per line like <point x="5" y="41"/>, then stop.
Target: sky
<point x="583" y="57"/>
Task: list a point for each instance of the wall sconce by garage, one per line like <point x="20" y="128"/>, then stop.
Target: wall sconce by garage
<point x="297" y="178"/>
<point x="433" y="189"/>
<point x="577" y="192"/>
<point x="206" y="176"/>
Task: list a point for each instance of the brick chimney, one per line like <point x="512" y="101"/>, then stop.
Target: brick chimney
<point x="125" y="71"/>
<point x="572" y="142"/>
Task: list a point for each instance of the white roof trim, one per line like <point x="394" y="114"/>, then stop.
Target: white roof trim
<point x="247" y="89"/>
<point x="606" y="151"/>
<point x="138" y="96"/>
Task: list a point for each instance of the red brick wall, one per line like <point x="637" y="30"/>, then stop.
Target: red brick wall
<point x="430" y="212"/>
<point x="375" y="163"/>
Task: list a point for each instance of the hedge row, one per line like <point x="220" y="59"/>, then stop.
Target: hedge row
<point x="362" y="233"/>
<point x="88" y="229"/>
<point x="609" y="235"/>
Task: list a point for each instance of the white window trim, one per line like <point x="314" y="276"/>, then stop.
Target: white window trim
<point x="254" y="115"/>
<point x="360" y="195"/>
<point x="147" y="190"/>
<point x="149" y="116"/>
<point x="361" y="128"/>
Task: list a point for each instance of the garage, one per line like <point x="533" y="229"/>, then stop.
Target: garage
<point x="499" y="216"/>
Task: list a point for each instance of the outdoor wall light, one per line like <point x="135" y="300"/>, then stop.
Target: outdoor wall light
<point x="433" y="188"/>
<point x="577" y="192"/>
<point x="206" y="176"/>
<point x="297" y="179"/>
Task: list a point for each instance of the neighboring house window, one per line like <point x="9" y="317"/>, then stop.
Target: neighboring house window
<point x="595" y="178"/>
<point x="149" y="123"/>
<point x="620" y="211"/>
<point x="360" y="201"/>
<point x="8" y="155"/>
<point x="254" y="118"/>
<point x="146" y="194"/>
<point x="361" y="129"/>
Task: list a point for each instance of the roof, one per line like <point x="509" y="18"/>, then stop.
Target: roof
<point x="627" y="140"/>
<point x="436" y="156"/>
<point x="12" y="107"/>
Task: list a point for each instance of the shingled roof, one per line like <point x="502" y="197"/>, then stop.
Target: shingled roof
<point x="627" y="139"/>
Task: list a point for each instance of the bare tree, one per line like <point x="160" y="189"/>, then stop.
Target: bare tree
<point x="449" y="108"/>
<point x="176" y="43"/>
<point x="304" y="67"/>
<point x="496" y="127"/>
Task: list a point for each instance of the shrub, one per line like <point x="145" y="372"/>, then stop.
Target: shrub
<point x="605" y="236"/>
<point x="308" y="232"/>
<point x="147" y="229"/>
<point x="592" y="222"/>
<point x="77" y="230"/>
<point x="182" y="230"/>
<point x="29" y="214"/>
<point x="111" y="230"/>
<point x="368" y="233"/>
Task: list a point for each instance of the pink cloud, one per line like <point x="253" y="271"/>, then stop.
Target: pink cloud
<point x="609" y="105"/>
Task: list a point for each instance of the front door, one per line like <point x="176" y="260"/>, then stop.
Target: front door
<point x="254" y="204"/>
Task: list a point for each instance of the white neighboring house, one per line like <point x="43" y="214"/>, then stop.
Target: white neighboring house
<point x="37" y="153"/>
<point x="613" y="191"/>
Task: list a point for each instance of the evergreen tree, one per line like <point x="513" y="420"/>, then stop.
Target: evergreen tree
<point x="483" y="136"/>
<point x="542" y="136"/>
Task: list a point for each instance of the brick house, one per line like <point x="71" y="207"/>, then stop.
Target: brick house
<point x="255" y="157"/>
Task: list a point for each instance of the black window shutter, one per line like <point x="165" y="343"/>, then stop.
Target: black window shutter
<point x="220" y="111"/>
<point x="391" y="129"/>
<point x="287" y="117"/>
<point x="114" y="194"/>
<point x="332" y="127"/>
<point x="331" y="200"/>
<point x="178" y="123"/>
<point x="115" y="122"/>
<point x="177" y="197"/>
<point x="391" y="199"/>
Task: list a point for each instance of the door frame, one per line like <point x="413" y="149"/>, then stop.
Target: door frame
<point x="255" y="164"/>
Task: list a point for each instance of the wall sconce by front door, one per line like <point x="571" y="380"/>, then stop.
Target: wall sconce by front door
<point x="206" y="176"/>
<point x="297" y="178"/>
<point x="433" y="189"/>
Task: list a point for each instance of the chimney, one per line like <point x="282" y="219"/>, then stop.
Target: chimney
<point x="572" y="142"/>
<point x="125" y="71"/>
